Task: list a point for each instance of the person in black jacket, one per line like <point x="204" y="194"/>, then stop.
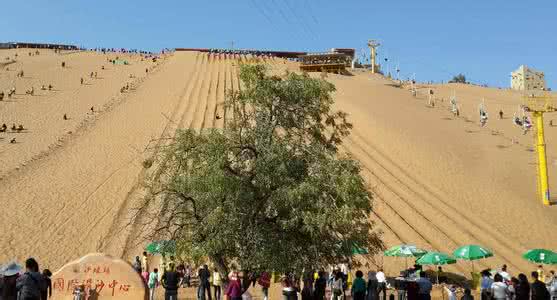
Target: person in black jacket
<point x="47" y="293"/>
<point x="170" y="280"/>
<point x="523" y="290"/>
<point x="539" y="290"/>
<point x="320" y="286"/>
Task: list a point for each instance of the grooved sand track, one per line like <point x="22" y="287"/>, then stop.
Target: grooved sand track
<point x="435" y="185"/>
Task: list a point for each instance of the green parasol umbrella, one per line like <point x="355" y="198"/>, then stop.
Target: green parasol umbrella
<point x="405" y="251"/>
<point x="541" y="256"/>
<point x="359" y="250"/>
<point x="436" y="258"/>
<point x="471" y="253"/>
<point x="160" y="247"/>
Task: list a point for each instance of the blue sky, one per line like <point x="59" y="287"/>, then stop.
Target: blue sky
<point x="484" y="39"/>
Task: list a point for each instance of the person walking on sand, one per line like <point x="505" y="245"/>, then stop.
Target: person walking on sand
<point x="152" y="283"/>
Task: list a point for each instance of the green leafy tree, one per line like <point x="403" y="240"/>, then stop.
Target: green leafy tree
<point x="460" y="78"/>
<point x="271" y="191"/>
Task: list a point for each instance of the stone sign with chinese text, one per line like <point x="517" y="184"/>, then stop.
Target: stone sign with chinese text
<point x="100" y="277"/>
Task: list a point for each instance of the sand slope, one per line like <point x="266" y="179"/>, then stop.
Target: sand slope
<point x="439" y="181"/>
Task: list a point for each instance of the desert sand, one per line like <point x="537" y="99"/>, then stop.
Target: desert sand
<point x="438" y="181"/>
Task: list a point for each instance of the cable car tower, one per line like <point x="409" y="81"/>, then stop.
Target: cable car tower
<point x="538" y="105"/>
<point x="373" y="44"/>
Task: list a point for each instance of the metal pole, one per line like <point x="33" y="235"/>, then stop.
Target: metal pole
<point x="542" y="160"/>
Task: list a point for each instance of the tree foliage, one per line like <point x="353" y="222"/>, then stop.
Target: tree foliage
<point x="460" y="78"/>
<point x="270" y="191"/>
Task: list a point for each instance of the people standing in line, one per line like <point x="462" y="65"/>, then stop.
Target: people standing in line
<point x="485" y="285"/>
<point x="170" y="281"/>
<point x="539" y="290"/>
<point x="522" y="291"/>
<point x="217" y="284"/>
<point x="290" y="287"/>
<point x="513" y="286"/>
<point x="372" y="286"/>
<point x="359" y="287"/>
<point x="337" y="287"/>
<point x="8" y="281"/>
<point x="541" y="275"/>
<point x="137" y="265"/>
<point x="451" y="292"/>
<point x="152" y="283"/>
<point x="145" y="261"/>
<point x="307" y="290"/>
<point x="204" y="284"/>
<point x="265" y="282"/>
<point x="506" y="276"/>
<point x="467" y="295"/>
<point x="186" y="281"/>
<point x="47" y="293"/>
<point x="320" y="286"/>
<point x="552" y="286"/>
<point x="381" y="284"/>
<point x="424" y="287"/>
<point x="234" y="288"/>
<point x="31" y="283"/>
<point x="499" y="289"/>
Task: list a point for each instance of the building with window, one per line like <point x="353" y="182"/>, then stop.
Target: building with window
<point x="526" y="79"/>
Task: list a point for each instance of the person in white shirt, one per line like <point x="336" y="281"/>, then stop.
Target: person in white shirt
<point x="381" y="283"/>
<point x="506" y="276"/>
<point x="499" y="290"/>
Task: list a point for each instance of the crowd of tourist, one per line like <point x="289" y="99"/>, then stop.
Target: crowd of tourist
<point x="241" y="52"/>
<point x="339" y="284"/>
<point x="27" y="284"/>
<point x="501" y="285"/>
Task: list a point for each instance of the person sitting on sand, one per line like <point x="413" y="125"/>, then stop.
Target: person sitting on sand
<point x="43" y="88"/>
<point x="92" y="109"/>
<point x="102" y="67"/>
<point x="50" y="87"/>
<point x="14" y="128"/>
<point x="218" y="117"/>
<point x="1" y="96"/>
<point x="20" y="128"/>
<point x="65" y="117"/>
<point x="12" y="141"/>
<point x="501" y="114"/>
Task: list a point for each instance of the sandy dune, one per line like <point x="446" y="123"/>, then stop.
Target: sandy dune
<point x="439" y="182"/>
